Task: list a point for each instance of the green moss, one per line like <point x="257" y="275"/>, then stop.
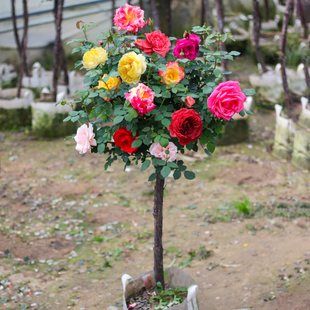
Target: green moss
<point x="47" y="126"/>
<point x="12" y="119"/>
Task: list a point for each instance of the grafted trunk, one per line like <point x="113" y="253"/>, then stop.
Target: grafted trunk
<point x="23" y="49"/>
<point x="288" y="99"/>
<point x="158" y="230"/>
<point x="155" y="14"/>
<point x="220" y="22"/>
<point x="57" y="45"/>
<point x="303" y="19"/>
<point x="256" y="34"/>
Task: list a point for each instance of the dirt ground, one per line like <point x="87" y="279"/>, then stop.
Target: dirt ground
<point x="69" y="230"/>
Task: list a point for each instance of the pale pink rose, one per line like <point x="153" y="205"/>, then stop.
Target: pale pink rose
<point x="189" y="101"/>
<point x="130" y="18"/>
<point x="160" y="152"/>
<point x="226" y="100"/>
<point x="85" y="138"/>
<point x="141" y="98"/>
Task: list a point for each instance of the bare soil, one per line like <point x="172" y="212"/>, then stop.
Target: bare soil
<point x="82" y="228"/>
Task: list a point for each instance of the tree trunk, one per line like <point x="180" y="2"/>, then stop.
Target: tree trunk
<point x="112" y="12"/>
<point x="129" y="2"/>
<point x="155" y="14"/>
<point x="57" y="48"/>
<point x="23" y="49"/>
<point x="168" y="18"/>
<point x="141" y="4"/>
<point x="158" y="230"/>
<point x="206" y="11"/>
<point x="306" y="66"/>
<point x="61" y="51"/>
<point x="303" y="19"/>
<point x="266" y="9"/>
<point x="220" y="22"/>
<point x="288" y="100"/>
<point x="256" y="34"/>
<point x="15" y="27"/>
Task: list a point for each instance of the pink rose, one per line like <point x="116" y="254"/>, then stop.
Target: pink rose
<point x="141" y="98"/>
<point x="226" y="100"/>
<point x="130" y="18"/>
<point x="189" y="101"/>
<point x="160" y="152"/>
<point x="85" y="138"/>
<point x="155" y="42"/>
<point x="189" y="47"/>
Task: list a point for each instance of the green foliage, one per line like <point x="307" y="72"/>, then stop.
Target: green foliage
<point x="244" y="206"/>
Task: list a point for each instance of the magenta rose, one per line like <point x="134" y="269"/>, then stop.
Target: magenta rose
<point x="187" y="47"/>
<point x="226" y="100"/>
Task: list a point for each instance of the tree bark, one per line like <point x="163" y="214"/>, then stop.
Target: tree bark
<point x="303" y="19"/>
<point x="158" y="230"/>
<point x="288" y="99"/>
<point x="129" y="2"/>
<point x="23" y="49"/>
<point x="306" y="66"/>
<point x="168" y="19"/>
<point x="220" y="22"/>
<point x="206" y="11"/>
<point x="112" y="12"/>
<point x="266" y="9"/>
<point x="155" y="14"/>
<point x="61" y="50"/>
<point x="141" y="4"/>
<point x="256" y="34"/>
<point x="57" y="48"/>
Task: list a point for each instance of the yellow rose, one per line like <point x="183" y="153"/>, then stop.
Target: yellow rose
<point x="131" y="66"/>
<point x="110" y="84"/>
<point x="94" y="57"/>
<point x="173" y="74"/>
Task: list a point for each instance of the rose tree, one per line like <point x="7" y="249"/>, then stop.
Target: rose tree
<point x="149" y="98"/>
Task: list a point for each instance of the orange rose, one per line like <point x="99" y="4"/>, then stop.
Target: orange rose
<point x="112" y="84"/>
<point x="173" y="75"/>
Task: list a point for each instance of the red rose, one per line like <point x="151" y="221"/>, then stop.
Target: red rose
<point x="186" y="126"/>
<point x="155" y="42"/>
<point x="124" y="138"/>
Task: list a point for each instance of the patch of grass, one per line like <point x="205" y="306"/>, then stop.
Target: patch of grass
<point x="244" y="207"/>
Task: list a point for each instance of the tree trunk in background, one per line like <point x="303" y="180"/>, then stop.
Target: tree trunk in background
<point x="18" y="44"/>
<point x="288" y="100"/>
<point x="306" y="66"/>
<point x="112" y="13"/>
<point x="220" y="22"/>
<point x="168" y="18"/>
<point x="207" y="12"/>
<point x="256" y="34"/>
<point x="141" y="4"/>
<point x="61" y="51"/>
<point x="158" y="230"/>
<point x="129" y="2"/>
<point x="303" y="19"/>
<point x="57" y="48"/>
<point x="23" y="49"/>
<point x="154" y="12"/>
<point x="266" y="9"/>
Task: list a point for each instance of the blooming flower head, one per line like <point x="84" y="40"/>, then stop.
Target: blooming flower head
<point x="187" y="47"/>
<point x="155" y="42"/>
<point x="160" y="152"/>
<point x="124" y="138"/>
<point x="85" y="138"/>
<point x="226" y="100"/>
<point x="112" y="84"/>
<point x="94" y="57"/>
<point x="186" y="125"/>
<point x="189" y="101"/>
<point x="129" y="18"/>
<point x="141" y="98"/>
<point x="131" y="66"/>
<point x="173" y="75"/>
